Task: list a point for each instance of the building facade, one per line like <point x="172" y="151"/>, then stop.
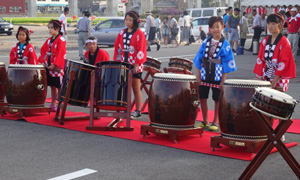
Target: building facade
<point x="51" y="6"/>
<point x="12" y="8"/>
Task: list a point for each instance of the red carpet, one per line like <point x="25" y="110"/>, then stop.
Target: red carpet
<point x="193" y="143"/>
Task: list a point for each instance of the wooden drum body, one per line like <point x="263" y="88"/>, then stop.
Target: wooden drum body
<point x="173" y="100"/>
<point x="181" y="63"/>
<point x="81" y="84"/>
<point x="26" y="86"/>
<point x="2" y="81"/>
<point x="152" y="62"/>
<point x="111" y="85"/>
<point x="273" y="103"/>
<point x="234" y="116"/>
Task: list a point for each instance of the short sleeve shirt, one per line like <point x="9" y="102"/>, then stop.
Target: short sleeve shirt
<point x="63" y="19"/>
<point x="83" y="24"/>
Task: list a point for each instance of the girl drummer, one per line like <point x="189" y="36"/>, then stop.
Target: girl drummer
<point x="53" y="54"/>
<point x="130" y="46"/>
<point x="275" y="61"/>
<point x="94" y="54"/>
<point x="23" y="52"/>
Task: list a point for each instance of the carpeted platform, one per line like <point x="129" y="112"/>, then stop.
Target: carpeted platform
<point x="193" y="143"/>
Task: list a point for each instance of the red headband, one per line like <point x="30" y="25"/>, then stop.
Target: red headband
<point x="26" y="32"/>
<point x="279" y="17"/>
<point x="138" y="19"/>
<point x="52" y="21"/>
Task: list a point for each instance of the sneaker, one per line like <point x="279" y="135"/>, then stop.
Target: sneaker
<point x="136" y="114"/>
<point x="202" y="125"/>
<point x="158" y="47"/>
<point x="213" y="127"/>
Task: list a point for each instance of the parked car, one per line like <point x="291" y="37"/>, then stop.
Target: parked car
<point x="197" y="22"/>
<point x="6" y="27"/>
<point x="107" y="31"/>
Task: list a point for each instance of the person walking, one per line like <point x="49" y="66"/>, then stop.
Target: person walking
<point x="293" y="31"/>
<point x="151" y="31"/>
<point x="83" y="26"/>
<point x="165" y="31"/>
<point x="257" y="28"/>
<point x="225" y="18"/>
<point x="186" y="28"/>
<point x="158" y="26"/>
<point x="244" y="29"/>
<point x="232" y="23"/>
<point x="174" y="30"/>
<point x="63" y="18"/>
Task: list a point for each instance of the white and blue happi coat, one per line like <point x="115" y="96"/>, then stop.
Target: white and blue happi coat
<point x="222" y="52"/>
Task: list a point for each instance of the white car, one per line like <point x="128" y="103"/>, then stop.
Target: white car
<point x="197" y="22"/>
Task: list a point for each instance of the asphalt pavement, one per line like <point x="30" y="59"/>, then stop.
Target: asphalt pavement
<point x="37" y="152"/>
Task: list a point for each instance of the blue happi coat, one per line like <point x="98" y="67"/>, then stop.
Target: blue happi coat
<point x="225" y="54"/>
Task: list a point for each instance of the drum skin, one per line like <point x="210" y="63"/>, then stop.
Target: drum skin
<point x="234" y="111"/>
<point x="26" y="86"/>
<point x="171" y="102"/>
<point x="2" y="81"/>
<point x="181" y="63"/>
<point x="81" y="85"/>
<point x="111" y="85"/>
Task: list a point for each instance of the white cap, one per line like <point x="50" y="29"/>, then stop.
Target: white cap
<point x="294" y="9"/>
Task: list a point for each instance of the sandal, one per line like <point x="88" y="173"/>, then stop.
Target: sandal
<point x="202" y="125"/>
<point x="213" y="127"/>
<point x="54" y="109"/>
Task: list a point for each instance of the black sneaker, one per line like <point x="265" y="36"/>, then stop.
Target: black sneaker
<point x="158" y="47"/>
<point x="233" y="50"/>
<point x="136" y="114"/>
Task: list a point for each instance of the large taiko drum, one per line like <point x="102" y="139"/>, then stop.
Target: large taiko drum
<point x="153" y="63"/>
<point x="173" y="100"/>
<point x="236" y="121"/>
<point x="81" y="84"/>
<point x="273" y="103"/>
<point x="111" y="85"/>
<point x="26" y="86"/>
<point x="2" y="81"/>
<point x="183" y="63"/>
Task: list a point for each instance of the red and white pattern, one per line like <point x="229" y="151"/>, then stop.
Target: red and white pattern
<point x="209" y="85"/>
<point x="284" y="83"/>
<point x="28" y="54"/>
<point x="248" y="10"/>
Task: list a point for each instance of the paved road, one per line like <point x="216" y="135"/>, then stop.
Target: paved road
<point x="35" y="152"/>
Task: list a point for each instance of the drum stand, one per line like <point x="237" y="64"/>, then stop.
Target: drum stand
<point x="150" y="72"/>
<point x="4" y="108"/>
<point x="62" y="117"/>
<point x="177" y="70"/>
<point x="172" y="133"/>
<point x="112" y="126"/>
<point x="274" y="140"/>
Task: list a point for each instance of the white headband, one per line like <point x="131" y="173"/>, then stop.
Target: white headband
<point x="89" y="40"/>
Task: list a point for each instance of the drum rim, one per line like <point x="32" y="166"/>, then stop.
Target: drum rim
<point x="107" y="62"/>
<point x="173" y="76"/>
<point x="26" y="66"/>
<point x="266" y="113"/>
<point x="291" y="101"/>
<point x="242" y="81"/>
<point x="82" y="63"/>
<point x="185" y="59"/>
<point x="2" y="64"/>
<point x="152" y="58"/>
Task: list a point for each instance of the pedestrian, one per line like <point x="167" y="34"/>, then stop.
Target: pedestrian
<point x="263" y="23"/>
<point x="84" y="31"/>
<point x="293" y="31"/>
<point x="202" y="35"/>
<point x="226" y="12"/>
<point x="181" y="24"/>
<point x="213" y="61"/>
<point x="63" y="18"/>
<point x="151" y="31"/>
<point x="131" y="47"/>
<point x="256" y="27"/>
<point x="225" y="18"/>
<point x="174" y="30"/>
<point x="23" y="52"/>
<point x="53" y="55"/>
<point x="166" y="31"/>
<point x="275" y="61"/>
<point x="94" y="54"/>
<point x="158" y="26"/>
<point x="233" y="34"/>
<point x="244" y="29"/>
<point x="186" y="28"/>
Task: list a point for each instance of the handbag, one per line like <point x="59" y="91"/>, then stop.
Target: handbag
<point x="174" y="30"/>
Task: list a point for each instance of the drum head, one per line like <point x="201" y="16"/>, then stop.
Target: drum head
<point x="276" y="95"/>
<point x="182" y="59"/>
<point x="174" y="77"/>
<point x="81" y="63"/>
<point x="26" y="66"/>
<point x="247" y="83"/>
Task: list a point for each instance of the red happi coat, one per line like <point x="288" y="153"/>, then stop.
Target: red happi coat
<point x="101" y="56"/>
<point x="282" y="61"/>
<point x="58" y="56"/>
<point x="28" y="54"/>
<point x="137" y="51"/>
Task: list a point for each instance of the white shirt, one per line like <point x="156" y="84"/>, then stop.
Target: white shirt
<point x="298" y="15"/>
<point x="63" y="19"/>
<point x="257" y="20"/>
<point x="187" y="19"/>
<point x="181" y="21"/>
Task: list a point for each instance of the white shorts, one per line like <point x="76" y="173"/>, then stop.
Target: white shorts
<point x="233" y="35"/>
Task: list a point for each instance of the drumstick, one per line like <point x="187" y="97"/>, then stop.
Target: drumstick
<point x="209" y="85"/>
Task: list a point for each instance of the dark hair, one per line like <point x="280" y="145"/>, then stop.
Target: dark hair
<point x="229" y="8"/>
<point x="275" y="18"/>
<point x="136" y="19"/>
<point x="288" y="14"/>
<point x="244" y="13"/>
<point x="254" y="10"/>
<point x="157" y="16"/>
<point x="87" y="13"/>
<point x="185" y="13"/>
<point x="237" y="9"/>
<point x="56" y="25"/>
<point x="21" y="28"/>
<point x="214" y="19"/>
<point x="66" y="9"/>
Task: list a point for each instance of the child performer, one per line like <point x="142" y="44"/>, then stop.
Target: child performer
<point x="23" y="52"/>
<point x="213" y="61"/>
<point x="275" y="62"/>
<point x="94" y="54"/>
<point x="131" y="47"/>
<point x="53" y="54"/>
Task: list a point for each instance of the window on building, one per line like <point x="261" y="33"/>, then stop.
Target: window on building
<point x="54" y="0"/>
<point x="2" y="9"/>
<point x="15" y="9"/>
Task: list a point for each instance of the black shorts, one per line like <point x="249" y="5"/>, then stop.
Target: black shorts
<point x="137" y="75"/>
<point x="53" y="81"/>
<point x="151" y="35"/>
<point x="204" y="91"/>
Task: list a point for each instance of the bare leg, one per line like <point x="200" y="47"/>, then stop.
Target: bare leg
<point x="216" y="115"/>
<point x="204" y="108"/>
<point x="54" y="92"/>
<point x="136" y="84"/>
